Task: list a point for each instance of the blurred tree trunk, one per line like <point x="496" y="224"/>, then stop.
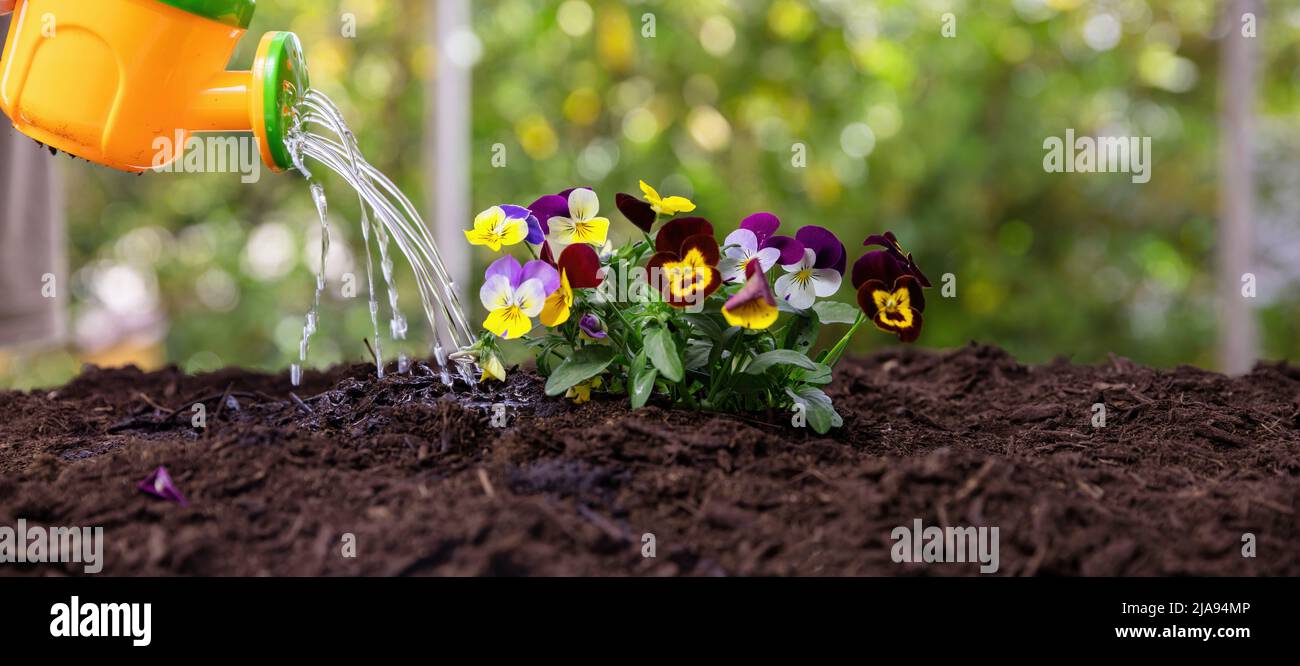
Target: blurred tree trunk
<point x="1238" y="337"/>
<point x="447" y="141"/>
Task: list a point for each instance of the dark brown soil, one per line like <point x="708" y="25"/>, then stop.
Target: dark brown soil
<point x="1188" y="461"/>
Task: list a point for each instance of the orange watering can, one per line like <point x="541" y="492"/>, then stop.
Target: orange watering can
<point x="125" y="82"/>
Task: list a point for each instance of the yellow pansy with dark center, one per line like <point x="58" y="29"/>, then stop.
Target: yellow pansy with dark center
<point x="895" y="309"/>
<point x="685" y="264"/>
<point x="687" y="279"/>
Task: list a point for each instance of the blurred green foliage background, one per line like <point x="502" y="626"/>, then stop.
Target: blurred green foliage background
<point x="936" y="138"/>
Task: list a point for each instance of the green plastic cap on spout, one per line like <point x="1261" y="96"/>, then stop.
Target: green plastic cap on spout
<point x="280" y="84"/>
<point x="234" y="13"/>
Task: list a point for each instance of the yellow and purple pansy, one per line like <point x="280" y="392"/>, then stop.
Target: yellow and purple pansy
<point x="502" y="226"/>
<point x="514" y="294"/>
<point x="754" y="306"/>
<point x="890" y="289"/>
<point x="685" y="264"/>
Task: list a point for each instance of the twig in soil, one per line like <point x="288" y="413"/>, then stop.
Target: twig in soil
<point x="1059" y="433"/>
<point x="221" y="406"/>
<point x="486" y="483"/>
<point x="1102" y="386"/>
<point x="1272" y="505"/>
<point x="813" y="474"/>
<point x="149" y="401"/>
<point x="374" y="357"/>
<point x="1057" y="445"/>
<point x="1221" y="436"/>
<point x="975" y="481"/>
<point x="603" y="524"/>
<point x="1091" y="490"/>
<point x="1041" y="544"/>
<point x="152" y="423"/>
<point x="298" y="401"/>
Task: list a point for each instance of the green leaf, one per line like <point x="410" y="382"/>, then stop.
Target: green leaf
<point x="584" y="364"/>
<point x="697" y="354"/>
<point x="779" y="357"/>
<point x="643" y="381"/>
<point x="802" y="332"/>
<point x="821" y="376"/>
<point x="817" y="405"/>
<point x="663" y="354"/>
<point x="705" y="325"/>
<point x="835" y="312"/>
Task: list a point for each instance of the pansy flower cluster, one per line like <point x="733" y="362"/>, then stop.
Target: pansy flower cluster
<point x="674" y="315"/>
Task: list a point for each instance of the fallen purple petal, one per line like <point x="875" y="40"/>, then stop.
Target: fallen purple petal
<point x="160" y="485"/>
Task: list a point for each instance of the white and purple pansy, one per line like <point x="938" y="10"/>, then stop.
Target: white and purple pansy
<point x="550" y="205"/>
<point x="818" y="273"/>
<point x="756" y="239"/>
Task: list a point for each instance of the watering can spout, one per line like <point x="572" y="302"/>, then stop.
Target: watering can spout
<point x="224" y="105"/>
<point x="125" y="83"/>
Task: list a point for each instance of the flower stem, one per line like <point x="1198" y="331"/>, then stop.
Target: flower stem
<point x="837" y="351"/>
<point x="727" y="370"/>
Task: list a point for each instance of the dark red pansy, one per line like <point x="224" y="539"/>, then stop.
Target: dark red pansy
<point x="582" y="266"/>
<point x="684" y="266"/>
<point x="876" y="265"/>
<point x="888" y="241"/>
<point x="895" y="309"/>
<point x="638" y="212"/>
<point x="672" y="235"/>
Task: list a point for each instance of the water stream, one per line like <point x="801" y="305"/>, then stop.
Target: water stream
<point x="388" y="217"/>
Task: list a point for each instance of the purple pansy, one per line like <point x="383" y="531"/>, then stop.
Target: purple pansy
<point x="825" y="245"/>
<point x="159" y="484"/>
